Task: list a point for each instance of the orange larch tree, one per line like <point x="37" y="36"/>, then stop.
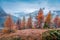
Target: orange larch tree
<point x="23" y="23"/>
<point x="29" y="22"/>
<point x="56" y="20"/>
<point x="48" y="20"/>
<point x="40" y="18"/>
<point x="18" y="24"/>
<point x="8" y="24"/>
<point x="59" y="23"/>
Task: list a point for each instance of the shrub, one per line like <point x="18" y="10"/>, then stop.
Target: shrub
<point x="51" y="35"/>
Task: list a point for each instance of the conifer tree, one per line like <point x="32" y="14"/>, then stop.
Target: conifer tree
<point x="48" y="20"/>
<point x="29" y="22"/>
<point x="23" y="23"/>
<point x="8" y="24"/>
<point x="56" y="19"/>
<point x="59" y="23"/>
<point x="40" y="18"/>
<point x="18" y="24"/>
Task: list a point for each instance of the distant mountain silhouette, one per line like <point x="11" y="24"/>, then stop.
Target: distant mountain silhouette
<point x="3" y="16"/>
<point x="57" y="12"/>
<point x="20" y="14"/>
<point x="34" y="14"/>
<point x="2" y="12"/>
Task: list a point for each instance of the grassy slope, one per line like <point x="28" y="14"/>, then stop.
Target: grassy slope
<point x="27" y="34"/>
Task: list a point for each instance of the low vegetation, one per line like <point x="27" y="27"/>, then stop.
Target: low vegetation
<point x="51" y="35"/>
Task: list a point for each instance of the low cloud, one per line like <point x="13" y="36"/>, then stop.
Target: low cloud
<point x="13" y="6"/>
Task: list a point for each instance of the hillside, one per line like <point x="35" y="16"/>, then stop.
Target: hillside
<point x="27" y="34"/>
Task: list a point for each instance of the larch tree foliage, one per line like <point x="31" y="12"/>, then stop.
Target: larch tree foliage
<point x="29" y="22"/>
<point x="48" y="20"/>
<point x="40" y="18"/>
<point x="18" y="24"/>
<point x="8" y="24"/>
<point x="56" y="19"/>
<point x="59" y="23"/>
<point x="23" y="23"/>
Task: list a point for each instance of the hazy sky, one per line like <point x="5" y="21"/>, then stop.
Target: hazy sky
<point x="12" y="6"/>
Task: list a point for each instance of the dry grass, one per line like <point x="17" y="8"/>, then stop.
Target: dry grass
<point x="27" y="34"/>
